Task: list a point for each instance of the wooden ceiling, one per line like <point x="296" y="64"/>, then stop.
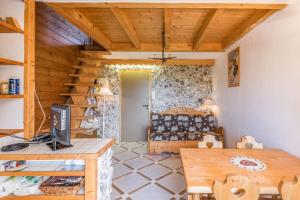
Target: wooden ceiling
<point x="188" y="27"/>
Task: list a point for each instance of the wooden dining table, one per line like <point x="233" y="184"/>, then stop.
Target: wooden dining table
<point x="203" y="166"/>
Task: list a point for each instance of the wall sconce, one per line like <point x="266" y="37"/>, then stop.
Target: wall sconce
<point x="207" y="106"/>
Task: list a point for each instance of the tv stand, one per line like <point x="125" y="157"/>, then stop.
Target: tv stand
<point x="89" y="150"/>
<point x="54" y="145"/>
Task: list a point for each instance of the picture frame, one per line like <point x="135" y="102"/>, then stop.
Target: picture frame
<point x="234" y="68"/>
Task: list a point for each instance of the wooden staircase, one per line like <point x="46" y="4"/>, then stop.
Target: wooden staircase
<point x="83" y="80"/>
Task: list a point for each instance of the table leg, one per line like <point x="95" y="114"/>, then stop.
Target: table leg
<point x="194" y="197"/>
<point x="91" y="179"/>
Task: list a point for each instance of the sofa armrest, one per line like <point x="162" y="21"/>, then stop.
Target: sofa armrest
<point x="149" y="132"/>
<point x="219" y="131"/>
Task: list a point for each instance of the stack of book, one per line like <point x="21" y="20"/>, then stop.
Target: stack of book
<point x="12" y="165"/>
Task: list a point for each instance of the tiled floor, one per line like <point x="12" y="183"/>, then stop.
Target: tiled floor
<point x="140" y="176"/>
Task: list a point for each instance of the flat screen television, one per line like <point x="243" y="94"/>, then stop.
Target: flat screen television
<point x="60" y="126"/>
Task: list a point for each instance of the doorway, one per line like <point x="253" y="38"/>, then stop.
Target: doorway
<point x="135" y="101"/>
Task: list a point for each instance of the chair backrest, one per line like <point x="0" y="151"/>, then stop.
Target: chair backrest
<point x="248" y="142"/>
<point x="290" y="190"/>
<point x="210" y="142"/>
<point x="236" y="187"/>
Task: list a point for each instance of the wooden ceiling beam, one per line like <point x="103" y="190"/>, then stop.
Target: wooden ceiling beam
<point x="246" y="27"/>
<point x="83" y="23"/>
<point x="168" y="26"/>
<point x="208" y="62"/>
<point x="127" y="26"/>
<point x="173" y="5"/>
<point x="173" y="47"/>
<point x="211" y="17"/>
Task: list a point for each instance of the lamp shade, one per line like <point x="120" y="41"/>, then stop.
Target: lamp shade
<point x="104" y="90"/>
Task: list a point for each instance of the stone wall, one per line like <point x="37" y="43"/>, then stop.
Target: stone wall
<point x="172" y="86"/>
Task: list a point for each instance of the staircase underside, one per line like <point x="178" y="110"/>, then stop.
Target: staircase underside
<point x="80" y="90"/>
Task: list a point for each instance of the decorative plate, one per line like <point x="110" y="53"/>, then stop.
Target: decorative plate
<point x="248" y="163"/>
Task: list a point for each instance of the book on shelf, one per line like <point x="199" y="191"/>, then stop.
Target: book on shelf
<point x="12" y="165"/>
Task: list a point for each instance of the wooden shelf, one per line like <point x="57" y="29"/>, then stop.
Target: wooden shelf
<point x="11" y="96"/>
<point x="42" y="173"/>
<point x="4" y="61"/>
<point x="10" y="25"/>
<point x="6" y="132"/>
<point x="44" y="197"/>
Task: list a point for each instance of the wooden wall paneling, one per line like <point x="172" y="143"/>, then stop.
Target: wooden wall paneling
<point x="58" y="45"/>
<point x="84" y="24"/>
<point x="66" y="31"/>
<point x="29" y="68"/>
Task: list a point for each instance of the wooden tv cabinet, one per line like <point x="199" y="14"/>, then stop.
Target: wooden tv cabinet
<point x="89" y="150"/>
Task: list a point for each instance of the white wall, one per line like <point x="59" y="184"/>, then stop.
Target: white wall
<point x="267" y="104"/>
<point x="12" y="47"/>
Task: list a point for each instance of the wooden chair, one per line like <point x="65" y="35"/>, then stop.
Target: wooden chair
<point x="290" y="190"/>
<point x="248" y="142"/>
<point x="236" y="187"/>
<point x="210" y="142"/>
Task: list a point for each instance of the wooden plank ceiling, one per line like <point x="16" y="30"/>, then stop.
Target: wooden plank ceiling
<point x="188" y="27"/>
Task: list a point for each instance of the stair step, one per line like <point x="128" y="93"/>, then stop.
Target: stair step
<point x="87" y="67"/>
<point x="82" y="117"/>
<point x="81" y="84"/>
<point x="95" y="54"/>
<point x="78" y="132"/>
<point x="82" y="130"/>
<point x="79" y="94"/>
<point x="85" y="135"/>
<point x="92" y="59"/>
<point x="82" y="105"/>
<point x="83" y="75"/>
<point x="93" y="47"/>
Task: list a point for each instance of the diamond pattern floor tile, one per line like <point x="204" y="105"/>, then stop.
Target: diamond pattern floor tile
<point x="114" y="161"/>
<point x="151" y="192"/>
<point x="157" y="157"/>
<point x="153" y="177"/>
<point x="124" y="156"/>
<point x="131" y="145"/>
<point x="120" y="170"/>
<point x="115" y="194"/>
<point x="140" y="150"/>
<point x="155" y="171"/>
<point x="130" y="182"/>
<point x="174" y="182"/>
<point x="172" y="163"/>
<point x="118" y="149"/>
<point x="139" y="162"/>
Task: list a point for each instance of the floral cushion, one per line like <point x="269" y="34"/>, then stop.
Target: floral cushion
<point x="162" y="123"/>
<point x="175" y="136"/>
